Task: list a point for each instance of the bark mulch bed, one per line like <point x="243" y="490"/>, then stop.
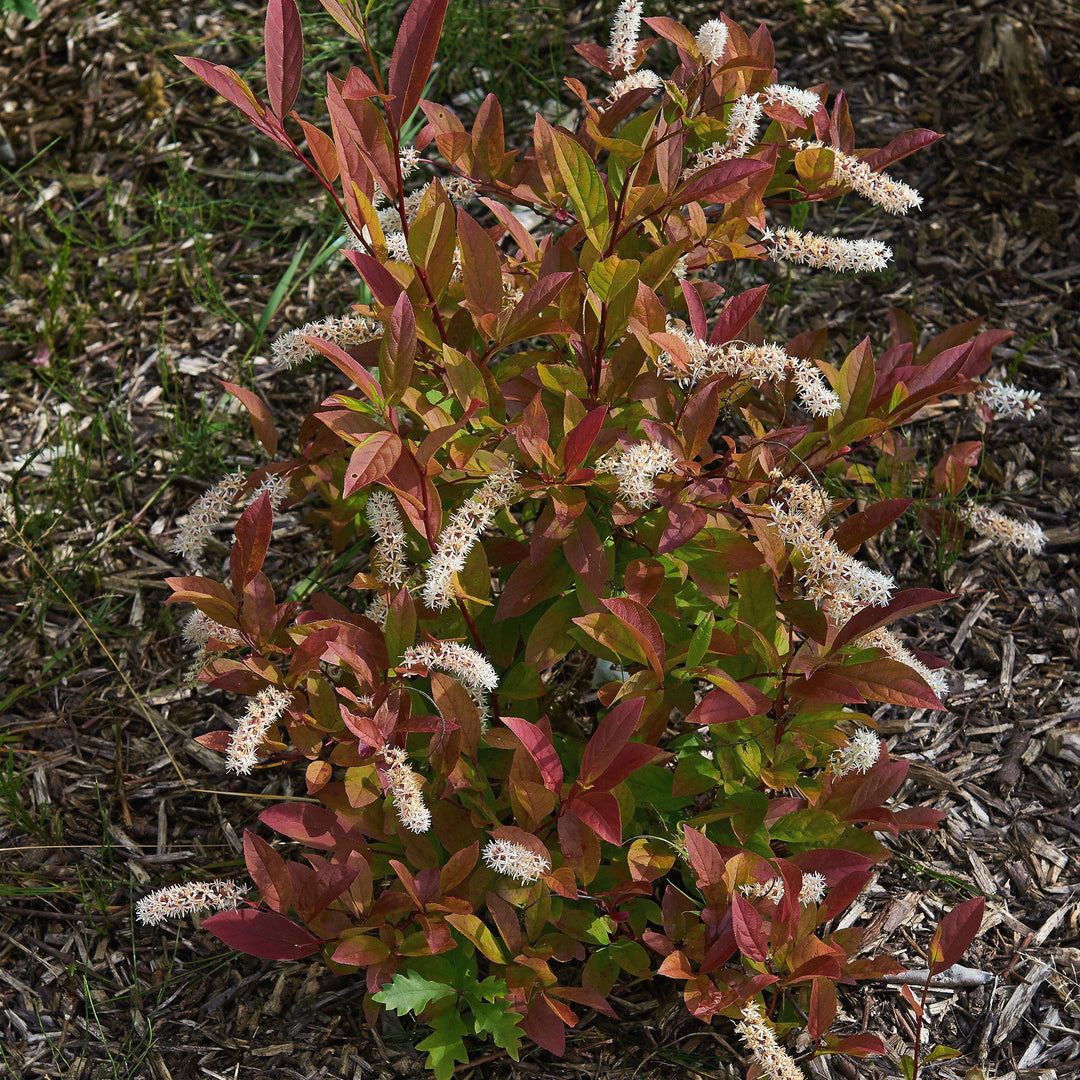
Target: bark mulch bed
<point x="117" y="798"/>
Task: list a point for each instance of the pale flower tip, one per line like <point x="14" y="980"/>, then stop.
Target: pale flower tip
<point x="515" y="861"/>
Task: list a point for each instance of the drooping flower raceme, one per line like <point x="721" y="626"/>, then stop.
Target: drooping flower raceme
<point x="461" y="533"/>
<point x="1006" y="401"/>
<point x="859" y="756"/>
<point x="290" y="348"/>
<point x="405" y="790"/>
<point x="265" y="710"/>
<point x="760" y="1038"/>
<point x="1002" y="529"/>
<point x="205" y="516"/>
<point x="389" y="550"/>
<point x="893" y="196"/>
<point x="759" y="363"/>
<point x="637" y="467"/>
<point x="464" y="663"/>
<point x="827" y="252"/>
<point x="515" y="860"/>
<point x="175" y="901"/>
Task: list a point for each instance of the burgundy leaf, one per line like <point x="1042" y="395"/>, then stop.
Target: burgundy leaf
<point x="265" y="934"/>
<point x="284" y="54"/>
<point x="414" y="53"/>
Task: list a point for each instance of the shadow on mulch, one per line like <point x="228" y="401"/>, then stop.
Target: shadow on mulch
<point x="88" y="994"/>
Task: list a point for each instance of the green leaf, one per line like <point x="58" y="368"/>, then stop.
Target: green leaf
<point x="501" y="1024"/>
<point x="408" y="992"/>
<point x="584" y="186"/>
<point x="444" y="1045"/>
<point x="699" y="643"/>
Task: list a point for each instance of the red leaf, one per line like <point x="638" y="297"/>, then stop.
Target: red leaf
<point x="540" y="750"/>
<point x="631" y="758"/>
<point x="345" y="363"/>
<point x="600" y="811"/>
<point x="383" y="285"/>
<point x="325" y="152"/>
<point x="851" y="532"/>
<point x="538" y="297"/>
<point x="859" y="1045"/>
<point x="481" y="266"/>
<point x="721" y="183"/>
<point x="252" y="540"/>
<point x="891" y="682"/>
<point x="284" y="54"/>
<point x="609" y="738"/>
<point x="544" y="1027"/>
<point x="361" y="950"/>
<point x="871" y="618"/>
<point x="262" y="933"/>
<point x="695" y="309"/>
<point x="955" y="933"/>
<point x="644" y="628"/>
<point x="396" y="360"/>
<point x="721" y="707"/>
<point x="313" y="825"/>
<point x="268" y="871"/>
<point x="905" y="143"/>
<point x="414" y="52"/>
<point x="748" y="927"/>
<point x="579" y="440"/>
<point x="704" y="857"/>
<point x="224" y="81"/>
<point x="371" y="460"/>
<point x="259" y="412"/>
<point x="737" y="312"/>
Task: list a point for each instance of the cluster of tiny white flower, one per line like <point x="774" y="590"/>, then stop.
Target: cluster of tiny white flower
<point x="463" y="663"/>
<point x="859" y="756"/>
<point x="460" y="535"/>
<point x="205" y="516"/>
<point x="813" y="888"/>
<point x="404" y="787"/>
<point x="388" y="526"/>
<point x="760" y="1038"/>
<point x="759" y="363"/>
<point x="1001" y="529"/>
<point x="1006" y="401"/>
<point x="832" y="576"/>
<point x="827" y="252"/>
<point x="290" y="348"/>
<point x="265" y="709"/>
<point x="895" y="649"/>
<point x="804" y="102"/>
<point x="622" y="51"/>
<point x="639" y="80"/>
<point x="836" y="581"/>
<point x="771" y="890"/>
<point x="744" y="121"/>
<point x="637" y="467"/>
<point x="516" y="861"/>
<point x="711" y="40"/>
<point x="893" y="196"/>
<point x="742" y="133"/>
<point x="175" y="901"/>
<point x="200" y="629"/>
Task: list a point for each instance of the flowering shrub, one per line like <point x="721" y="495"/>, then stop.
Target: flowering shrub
<point x="569" y="453"/>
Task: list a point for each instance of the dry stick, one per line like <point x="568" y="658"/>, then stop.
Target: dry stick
<point x="140" y="706"/>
